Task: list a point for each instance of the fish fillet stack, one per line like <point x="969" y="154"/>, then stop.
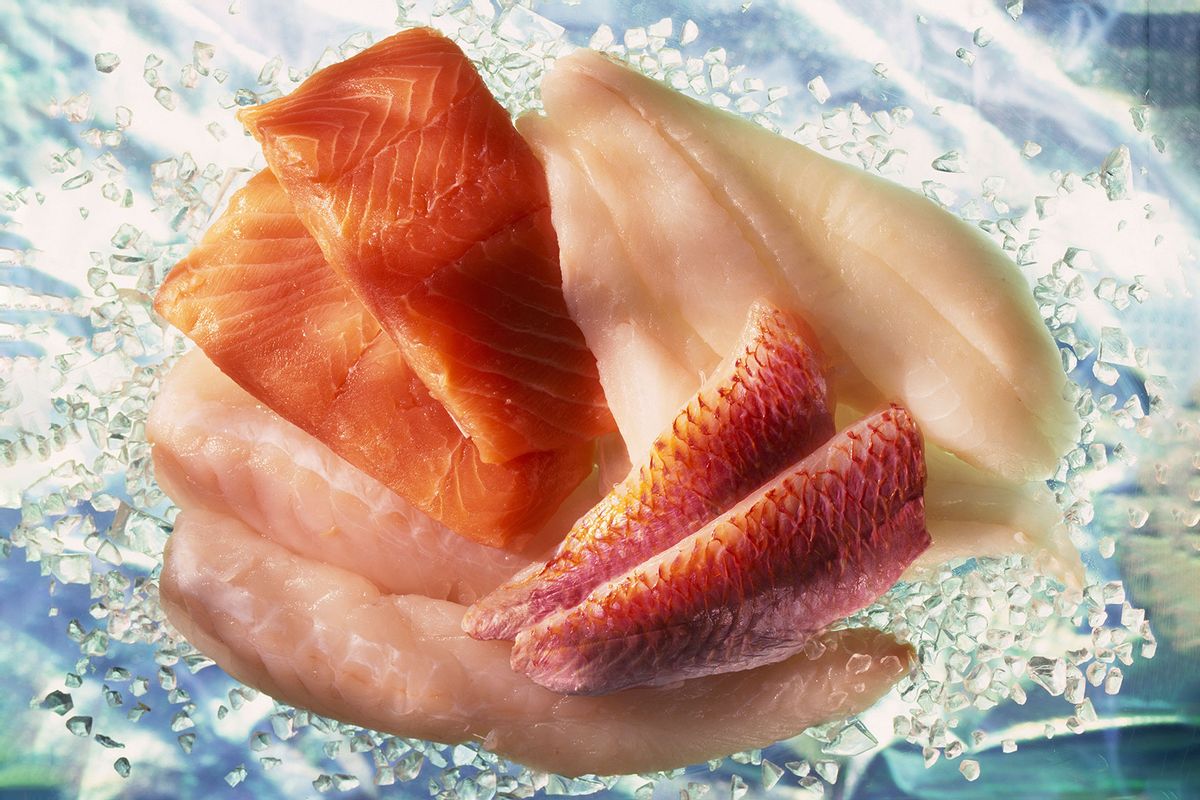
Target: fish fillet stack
<point x="403" y="380"/>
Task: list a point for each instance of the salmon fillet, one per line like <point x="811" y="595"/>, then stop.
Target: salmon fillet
<point x="422" y="195"/>
<point x="258" y="297"/>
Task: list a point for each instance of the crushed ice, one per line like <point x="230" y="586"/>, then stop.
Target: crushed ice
<point x="985" y="631"/>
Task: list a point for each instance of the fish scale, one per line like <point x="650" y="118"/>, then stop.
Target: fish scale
<point x="413" y="180"/>
<point x="764" y="410"/>
<point x="819" y="542"/>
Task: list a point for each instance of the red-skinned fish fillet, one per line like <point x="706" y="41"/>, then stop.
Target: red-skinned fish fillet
<point x="258" y="297"/>
<point x="425" y="199"/>
<point x="762" y="410"/>
<point x="821" y="541"/>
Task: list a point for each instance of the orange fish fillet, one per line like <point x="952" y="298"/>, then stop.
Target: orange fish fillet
<point x="423" y="196"/>
<point x="822" y="540"/>
<point x="258" y="297"/>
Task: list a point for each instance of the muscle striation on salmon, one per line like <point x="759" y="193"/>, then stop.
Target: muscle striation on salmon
<point x="820" y="541"/>
<point x="422" y="195"/>
<point x="257" y="295"/>
<point x="763" y="409"/>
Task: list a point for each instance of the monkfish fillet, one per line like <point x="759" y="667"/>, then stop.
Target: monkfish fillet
<point x="819" y="542"/>
<point x="673" y="217"/>
<point x="429" y="204"/>
<point x="258" y="297"/>
<point x="328" y="640"/>
<point x="764" y="409"/>
<point x="216" y="449"/>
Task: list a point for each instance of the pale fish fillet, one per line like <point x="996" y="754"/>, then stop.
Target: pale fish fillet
<point x="217" y="449"/>
<point x="913" y="305"/>
<point x="324" y="639"/>
<point x="971" y="513"/>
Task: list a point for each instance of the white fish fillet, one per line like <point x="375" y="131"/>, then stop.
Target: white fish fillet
<point x="970" y="512"/>
<point x="216" y="448"/>
<point x="679" y="216"/>
<point x="325" y="639"/>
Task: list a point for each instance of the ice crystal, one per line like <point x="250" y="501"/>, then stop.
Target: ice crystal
<point x="951" y="161"/>
<point x="1015" y="8"/>
<point x="59" y="702"/>
<point x="1116" y="173"/>
<point x="107" y="62"/>
<point x="819" y="90"/>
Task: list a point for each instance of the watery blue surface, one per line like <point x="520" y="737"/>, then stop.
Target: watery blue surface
<point x="1064" y="75"/>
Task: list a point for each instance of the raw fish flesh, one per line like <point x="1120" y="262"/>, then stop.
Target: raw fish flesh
<point x="325" y="639"/>
<point x="673" y="217"/>
<point x="429" y="204"/>
<point x="822" y="540"/>
<point x="216" y="449"/>
<point x="258" y="297"/>
<point x="763" y="409"/>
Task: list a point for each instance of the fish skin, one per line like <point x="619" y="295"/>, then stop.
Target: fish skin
<point x="258" y="297"/>
<point x="324" y="639"/>
<point x="216" y="449"/>
<point x="821" y="541"/>
<point x="434" y="210"/>
<point x="912" y="304"/>
<point x="763" y="409"/>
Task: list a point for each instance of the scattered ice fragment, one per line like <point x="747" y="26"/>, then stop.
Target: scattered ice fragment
<point x="1159" y="143"/>
<point x="691" y="31"/>
<point x="852" y="740"/>
<point x="1116" y="173"/>
<point x="1049" y="673"/>
<point x="828" y="770"/>
<point x="72" y="568"/>
<point x="819" y="90"/>
<point x="966" y="56"/>
<point x="602" y="38"/>
<point x="1112" y="681"/>
<point x="880" y="70"/>
<point x="1015" y="8"/>
<point x="771" y="773"/>
<point x="969" y="769"/>
<point x="1031" y="149"/>
<point x="186" y="741"/>
<point x="1107" y="545"/>
<point x="165" y="97"/>
<point x="902" y="115"/>
<point x="82" y="179"/>
<point x="737" y="788"/>
<point x="122" y="766"/>
<point x="798" y="768"/>
<point x="202" y="56"/>
<point x="59" y="702"/>
<point x="80" y="726"/>
<point x="930" y="756"/>
<point x="982" y="37"/>
<point x="236" y="775"/>
<point x="107" y="62"/>
<point x="1116" y="348"/>
<point x="950" y="161"/>
<point x="1141" y="117"/>
<point x="109" y="742"/>
<point x="269" y="71"/>
<point x="810" y="788"/>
